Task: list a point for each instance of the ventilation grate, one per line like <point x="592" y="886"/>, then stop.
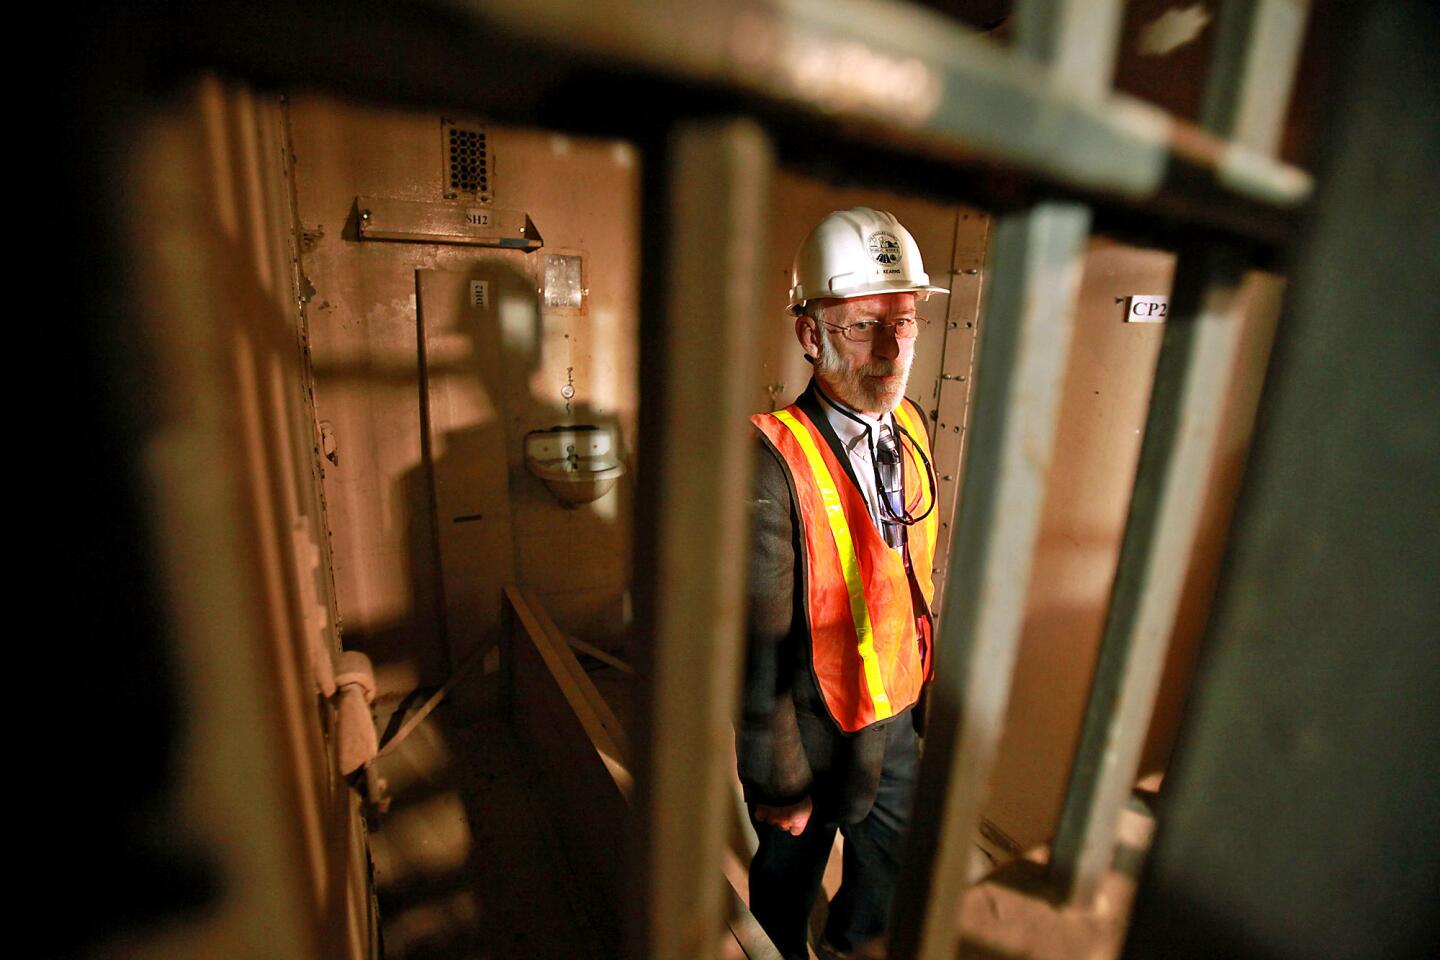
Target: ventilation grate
<point x="467" y="162"/>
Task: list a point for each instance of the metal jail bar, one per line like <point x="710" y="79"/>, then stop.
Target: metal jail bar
<point x="1037" y="257"/>
<point x="707" y="217"/>
<point x="1301" y="819"/>
<point x="1089" y="143"/>
<point x="1246" y="94"/>
<point x="822" y="70"/>
<point x="930" y="89"/>
<point x="1036" y="263"/>
<point x="706" y="210"/>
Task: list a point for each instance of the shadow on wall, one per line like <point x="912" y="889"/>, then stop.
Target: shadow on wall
<point x="487" y="360"/>
<point x="487" y="356"/>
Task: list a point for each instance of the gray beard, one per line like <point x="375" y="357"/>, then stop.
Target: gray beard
<point x="850" y="386"/>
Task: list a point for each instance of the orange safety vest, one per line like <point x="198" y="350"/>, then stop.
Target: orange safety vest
<point x="870" y="635"/>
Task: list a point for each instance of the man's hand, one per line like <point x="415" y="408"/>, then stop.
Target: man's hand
<point x="791" y="819"/>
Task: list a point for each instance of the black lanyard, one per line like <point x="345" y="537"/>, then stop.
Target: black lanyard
<point x="906" y="518"/>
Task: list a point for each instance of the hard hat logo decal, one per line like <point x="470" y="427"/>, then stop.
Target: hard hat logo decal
<point x="857" y="253"/>
<point x="884" y="247"/>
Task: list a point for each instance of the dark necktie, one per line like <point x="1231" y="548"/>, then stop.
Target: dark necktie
<point x="892" y="494"/>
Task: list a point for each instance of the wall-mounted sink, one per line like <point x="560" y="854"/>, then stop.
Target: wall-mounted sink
<point x="577" y="464"/>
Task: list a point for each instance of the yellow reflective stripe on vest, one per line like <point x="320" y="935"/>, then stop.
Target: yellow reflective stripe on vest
<point x="903" y="413"/>
<point x="849" y="562"/>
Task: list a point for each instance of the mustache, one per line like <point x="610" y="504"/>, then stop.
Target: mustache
<point x="882" y="368"/>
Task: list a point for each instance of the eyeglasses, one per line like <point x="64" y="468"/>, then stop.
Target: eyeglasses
<point x="864" y="331"/>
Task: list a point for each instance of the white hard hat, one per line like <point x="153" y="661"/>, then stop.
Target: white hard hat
<point x="854" y="253"/>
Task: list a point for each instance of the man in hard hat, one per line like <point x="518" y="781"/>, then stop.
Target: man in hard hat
<point x="839" y="631"/>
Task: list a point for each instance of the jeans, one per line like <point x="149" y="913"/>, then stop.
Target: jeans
<point x="786" y="872"/>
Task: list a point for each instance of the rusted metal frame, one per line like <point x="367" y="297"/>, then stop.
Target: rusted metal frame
<point x="708" y="187"/>
<point x="925" y="85"/>
<point x="312" y="538"/>
<point x="1246" y="94"/>
<point x="1036" y="262"/>
<point x="1197" y="357"/>
<point x="346" y="879"/>
<point x="951" y="416"/>
<point x="264" y="411"/>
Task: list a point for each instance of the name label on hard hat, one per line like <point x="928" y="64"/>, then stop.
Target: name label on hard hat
<point x="1145" y="309"/>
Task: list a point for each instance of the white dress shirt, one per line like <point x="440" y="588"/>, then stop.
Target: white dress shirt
<point x="853" y="438"/>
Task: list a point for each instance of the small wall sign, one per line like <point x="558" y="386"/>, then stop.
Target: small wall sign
<point x="1144" y="309"/>
<point x="443" y="221"/>
<point x="564" y="287"/>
